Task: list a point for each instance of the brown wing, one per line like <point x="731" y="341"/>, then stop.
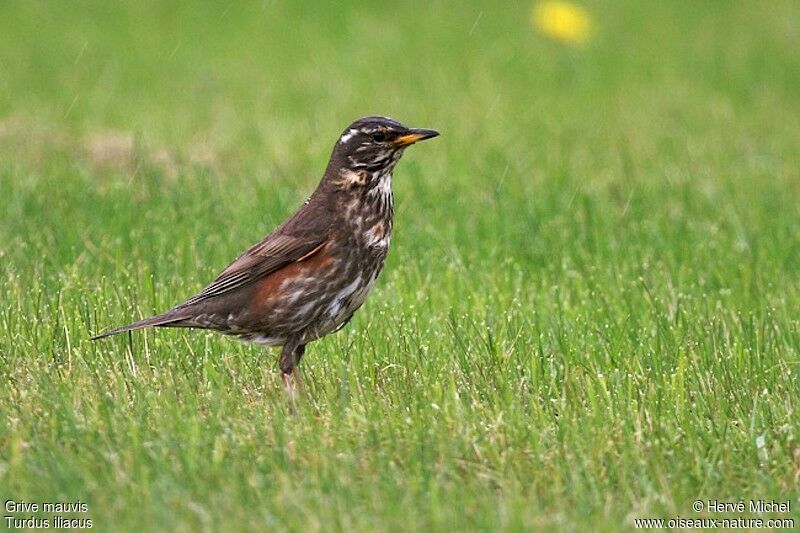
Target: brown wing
<point x="297" y="238"/>
<point x="261" y="260"/>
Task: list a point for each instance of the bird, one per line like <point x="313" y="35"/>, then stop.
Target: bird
<point x="307" y="278"/>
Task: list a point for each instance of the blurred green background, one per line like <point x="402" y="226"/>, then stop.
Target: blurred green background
<point x="589" y="313"/>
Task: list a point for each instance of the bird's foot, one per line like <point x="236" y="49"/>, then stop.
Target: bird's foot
<point x="293" y="386"/>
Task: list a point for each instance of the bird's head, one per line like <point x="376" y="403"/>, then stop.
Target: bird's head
<point x="369" y="148"/>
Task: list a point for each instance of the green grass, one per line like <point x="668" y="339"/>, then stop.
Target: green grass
<point x="590" y="309"/>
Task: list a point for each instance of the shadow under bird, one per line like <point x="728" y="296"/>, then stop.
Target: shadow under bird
<point x="307" y="278"/>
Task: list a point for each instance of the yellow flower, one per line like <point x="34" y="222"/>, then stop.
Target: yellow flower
<point x="562" y="21"/>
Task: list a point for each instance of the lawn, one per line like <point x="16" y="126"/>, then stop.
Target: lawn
<point x="590" y="310"/>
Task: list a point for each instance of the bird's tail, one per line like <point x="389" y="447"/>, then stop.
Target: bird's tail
<point x="168" y="319"/>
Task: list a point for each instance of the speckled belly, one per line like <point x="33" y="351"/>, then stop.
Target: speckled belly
<point x="311" y="298"/>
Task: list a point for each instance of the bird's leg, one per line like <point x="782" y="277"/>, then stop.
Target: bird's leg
<point x="290" y="356"/>
<point x="298" y="354"/>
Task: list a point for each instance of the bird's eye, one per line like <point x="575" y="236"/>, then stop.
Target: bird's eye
<point x="379" y="136"/>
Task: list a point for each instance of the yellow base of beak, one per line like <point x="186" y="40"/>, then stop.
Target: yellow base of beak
<point x="413" y="136"/>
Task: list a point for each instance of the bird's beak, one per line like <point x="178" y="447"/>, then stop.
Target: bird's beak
<point x="414" y="135"/>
